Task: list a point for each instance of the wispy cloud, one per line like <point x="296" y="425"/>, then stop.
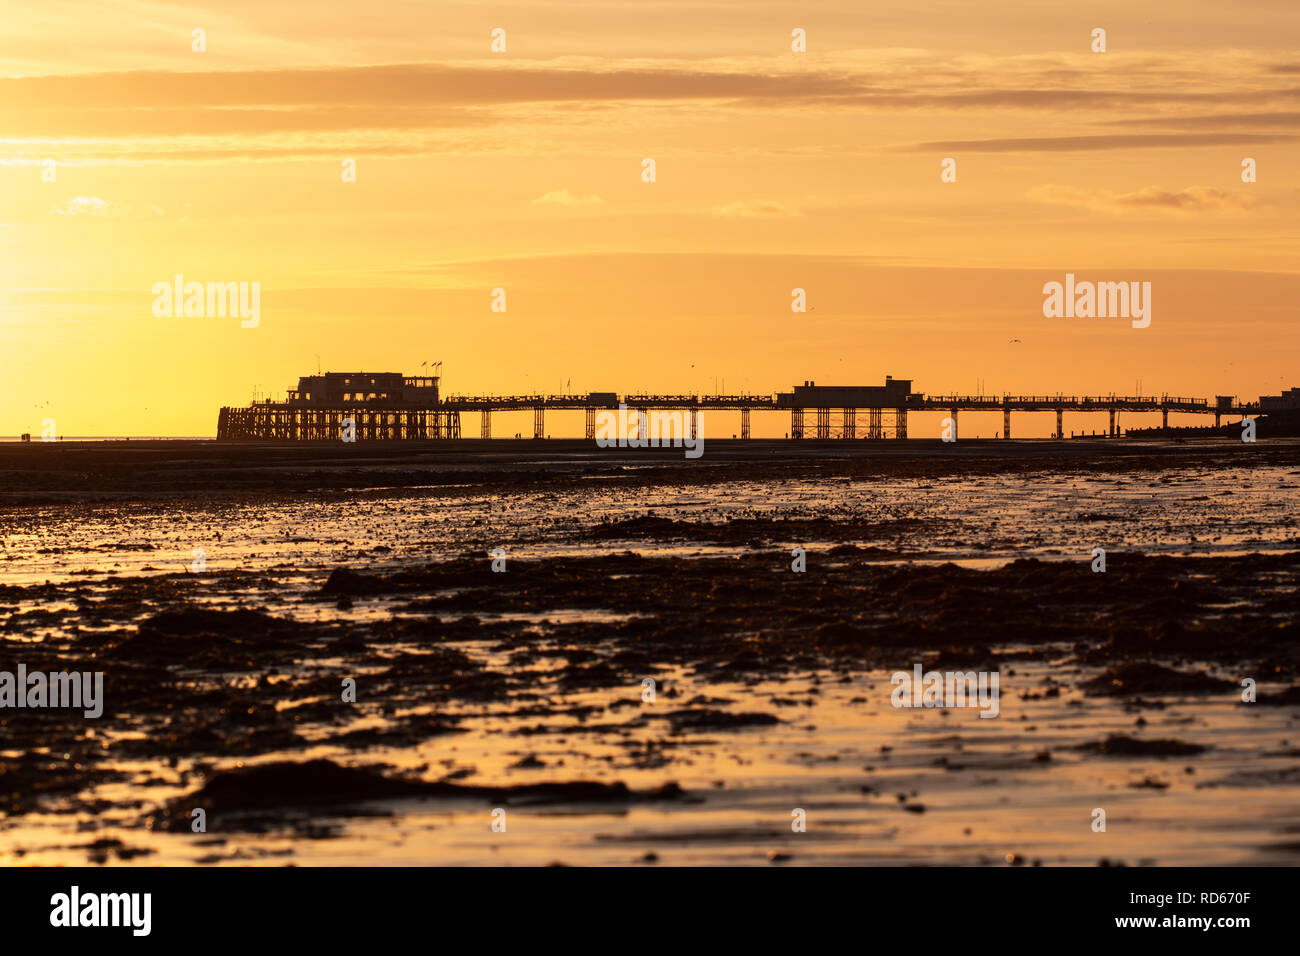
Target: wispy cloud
<point x="1191" y="199"/>
<point x="872" y="79"/>
<point x="392" y="107"/>
<point x="86" y="206"/>
<point x="562" y="197"/>
<point x="1287" y="119"/>
<point x="755" y="209"/>
<point x="1067" y="144"/>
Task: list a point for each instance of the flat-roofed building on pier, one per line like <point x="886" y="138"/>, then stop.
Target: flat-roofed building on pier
<point x="358" y="406"/>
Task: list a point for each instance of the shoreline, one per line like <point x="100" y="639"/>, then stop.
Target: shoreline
<point x="74" y="473"/>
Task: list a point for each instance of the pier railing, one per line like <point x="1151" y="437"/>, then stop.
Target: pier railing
<point x="268" y="419"/>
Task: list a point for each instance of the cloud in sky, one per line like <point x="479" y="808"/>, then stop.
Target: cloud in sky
<point x="85" y="206"/>
<point x="404" y="95"/>
<point x="755" y="209"/>
<point x="1069" y="144"/>
<point x="984" y="103"/>
<point x="1190" y="199"/>
<point x="1287" y="119"/>
<point x="562" y="197"/>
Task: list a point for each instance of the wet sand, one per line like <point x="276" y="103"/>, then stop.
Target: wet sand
<point x="48" y="472"/>
<point x="523" y="690"/>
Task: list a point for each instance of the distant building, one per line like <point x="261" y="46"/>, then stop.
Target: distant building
<point x="347" y="406"/>
<point x="369" y="388"/>
<point x="1288" y="401"/>
<point x="895" y="393"/>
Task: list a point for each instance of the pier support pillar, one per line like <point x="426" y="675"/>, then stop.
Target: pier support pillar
<point x="823" y="423"/>
<point x="1060" y="423"/>
<point x="900" y="423"/>
<point x="1217" y="419"/>
<point x="1164" y="418"/>
<point x="850" y="423"/>
<point x="874" y="429"/>
<point x="1112" y="423"/>
<point x="744" y="423"/>
<point x="485" y="426"/>
<point x="796" y="423"/>
<point x="1006" y="423"/>
<point x="539" y="422"/>
<point x="591" y="424"/>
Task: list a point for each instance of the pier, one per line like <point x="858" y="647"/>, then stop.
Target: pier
<point x="390" y="406"/>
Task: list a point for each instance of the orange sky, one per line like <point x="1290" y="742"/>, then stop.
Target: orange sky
<point x="522" y="170"/>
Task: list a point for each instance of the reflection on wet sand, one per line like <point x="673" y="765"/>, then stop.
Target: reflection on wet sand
<point x="524" y="690"/>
